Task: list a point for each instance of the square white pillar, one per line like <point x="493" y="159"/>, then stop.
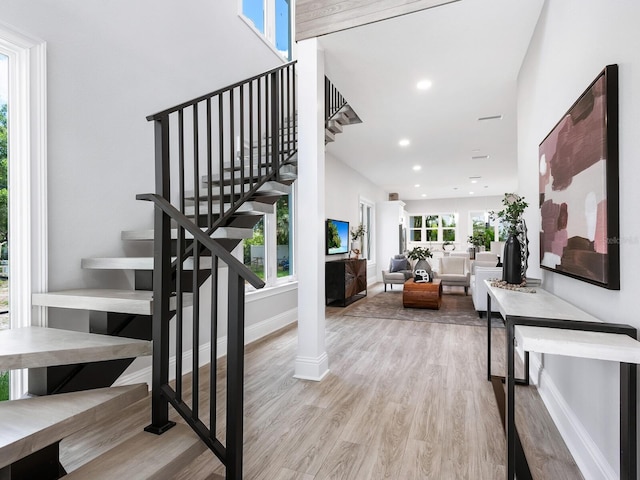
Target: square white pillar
<point x="312" y="362"/>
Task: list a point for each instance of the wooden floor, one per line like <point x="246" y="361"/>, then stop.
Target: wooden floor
<point x="403" y="400"/>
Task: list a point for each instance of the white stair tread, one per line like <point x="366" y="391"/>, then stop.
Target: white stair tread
<point x="31" y="424"/>
<point x="577" y="343"/>
<point x="233" y="233"/>
<point x="247" y="207"/>
<point x="269" y="188"/>
<point x="145" y="456"/>
<point x="139" y="302"/>
<point x="135" y="263"/>
<point x="32" y="347"/>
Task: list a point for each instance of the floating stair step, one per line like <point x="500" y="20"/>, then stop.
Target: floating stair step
<point x="245" y="208"/>
<point x="136" y="263"/>
<point x="33" y="347"/>
<point x="30" y="424"/>
<point x="138" y="302"/>
<point x="230" y="233"/>
<point x="328" y="136"/>
<point x="145" y="456"/>
<point x="268" y="189"/>
<point x="335" y="126"/>
<point x="254" y="175"/>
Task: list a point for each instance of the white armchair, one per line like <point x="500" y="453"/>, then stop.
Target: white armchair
<point x="479" y="288"/>
<point x="454" y="271"/>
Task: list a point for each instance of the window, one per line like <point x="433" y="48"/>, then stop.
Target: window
<point x="367" y="215"/>
<point x="492" y="230"/>
<point x="433" y="228"/>
<point x="284" y="236"/>
<point x="269" y="253"/>
<point x="272" y="19"/>
<point x="254" y="252"/>
<point x="415" y="229"/>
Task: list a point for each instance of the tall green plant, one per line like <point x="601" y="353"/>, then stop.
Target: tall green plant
<point x="511" y="214"/>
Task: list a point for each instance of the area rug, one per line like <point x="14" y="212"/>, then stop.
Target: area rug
<point x="456" y="308"/>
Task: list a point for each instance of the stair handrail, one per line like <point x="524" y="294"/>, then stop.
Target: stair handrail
<point x="203" y="238"/>
<point x="159" y="115"/>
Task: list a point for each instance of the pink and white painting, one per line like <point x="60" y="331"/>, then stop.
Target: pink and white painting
<point x="574" y="163"/>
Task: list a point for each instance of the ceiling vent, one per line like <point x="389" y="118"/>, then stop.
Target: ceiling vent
<point x="479" y="157"/>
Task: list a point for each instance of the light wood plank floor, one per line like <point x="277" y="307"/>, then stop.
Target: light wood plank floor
<point x="404" y="400"/>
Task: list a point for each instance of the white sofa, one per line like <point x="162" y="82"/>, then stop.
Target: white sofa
<point x="478" y="287"/>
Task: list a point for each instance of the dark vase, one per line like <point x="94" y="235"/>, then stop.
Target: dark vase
<point x="512" y="261"/>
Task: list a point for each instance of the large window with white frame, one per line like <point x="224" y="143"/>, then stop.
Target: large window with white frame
<point x="272" y="19"/>
<point x="269" y="253"/>
<point x="441" y="227"/>
<point x="367" y="215"/>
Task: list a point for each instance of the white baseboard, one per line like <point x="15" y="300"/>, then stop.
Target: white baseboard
<point x="586" y="453"/>
<point x="251" y="334"/>
<point x="311" y="368"/>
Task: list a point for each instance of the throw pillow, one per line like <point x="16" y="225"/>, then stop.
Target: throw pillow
<point x="398" y="264"/>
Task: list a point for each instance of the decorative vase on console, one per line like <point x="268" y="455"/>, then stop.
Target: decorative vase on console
<point x="513" y="266"/>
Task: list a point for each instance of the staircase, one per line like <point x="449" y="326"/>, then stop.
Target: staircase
<point x="222" y="162"/>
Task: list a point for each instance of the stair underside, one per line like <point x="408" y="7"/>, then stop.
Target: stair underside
<point x="33" y="347"/>
<point x="137" y="302"/>
<point x="145" y="456"/>
<point x="245" y="208"/>
<point x="30" y="424"/>
<point x="268" y="189"/>
<point x="136" y="263"/>
<point x="231" y="233"/>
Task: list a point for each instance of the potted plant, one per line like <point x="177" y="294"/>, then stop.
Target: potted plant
<point x="357" y="234"/>
<point x="515" y="249"/>
<point x="420" y="255"/>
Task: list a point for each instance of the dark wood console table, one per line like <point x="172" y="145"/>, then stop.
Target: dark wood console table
<point x="544" y="323"/>
<point x="345" y="280"/>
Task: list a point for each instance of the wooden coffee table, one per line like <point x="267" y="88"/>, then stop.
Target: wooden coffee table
<point x="422" y="295"/>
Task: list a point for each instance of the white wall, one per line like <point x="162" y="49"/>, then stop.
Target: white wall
<point x="344" y="189"/>
<point x="462" y="206"/>
<point x="110" y="64"/>
<point x="573" y="42"/>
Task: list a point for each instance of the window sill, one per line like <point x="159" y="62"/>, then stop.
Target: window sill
<point x="268" y="291"/>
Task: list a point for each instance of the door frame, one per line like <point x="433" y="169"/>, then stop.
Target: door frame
<point x="27" y="158"/>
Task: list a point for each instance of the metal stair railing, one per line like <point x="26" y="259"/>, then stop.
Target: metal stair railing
<point x="243" y="135"/>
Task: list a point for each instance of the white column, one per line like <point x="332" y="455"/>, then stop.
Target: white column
<point x="312" y="362"/>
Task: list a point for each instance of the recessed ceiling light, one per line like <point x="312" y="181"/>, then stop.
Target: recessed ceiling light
<point x="417" y="185"/>
<point x="424" y="84"/>
<point x="470" y="193"/>
<point x="455" y="188"/>
<point x="490" y="117"/>
<point x="404" y="142"/>
<point x="486" y="186"/>
<point x="423" y="195"/>
<point x="416" y="168"/>
<point x="474" y="181"/>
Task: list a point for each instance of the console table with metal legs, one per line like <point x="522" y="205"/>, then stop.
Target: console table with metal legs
<point x="544" y="323"/>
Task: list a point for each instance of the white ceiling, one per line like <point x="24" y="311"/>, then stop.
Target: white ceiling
<point x="471" y="51"/>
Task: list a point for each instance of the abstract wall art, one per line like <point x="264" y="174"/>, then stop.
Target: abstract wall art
<point x="578" y="160"/>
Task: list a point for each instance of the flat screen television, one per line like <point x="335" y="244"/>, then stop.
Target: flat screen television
<point x="337" y="237"/>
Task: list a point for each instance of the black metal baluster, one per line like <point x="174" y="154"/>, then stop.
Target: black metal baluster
<point x="259" y="125"/>
<point x="213" y="373"/>
<point x="242" y="186"/>
<point x="235" y="375"/>
<point x="161" y="285"/>
<point x="221" y="153"/>
<point x="209" y="167"/>
<point x="251" y="146"/>
<point x="275" y="116"/>
<point x="180" y="251"/>
<point x="232" y="148"/>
